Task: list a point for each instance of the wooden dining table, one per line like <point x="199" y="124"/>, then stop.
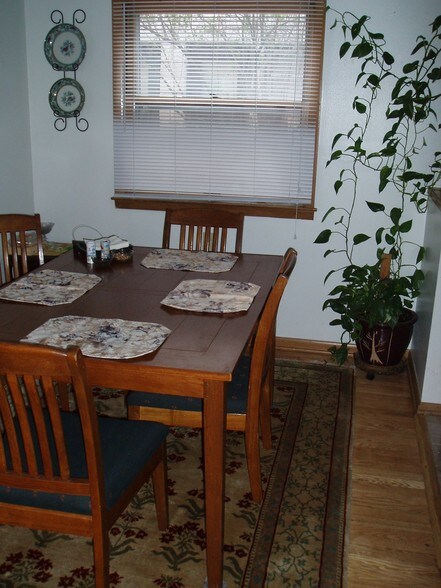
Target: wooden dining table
<point x="197" y="359"/>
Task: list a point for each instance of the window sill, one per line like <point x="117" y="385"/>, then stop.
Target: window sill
<point x="274" y="210"/>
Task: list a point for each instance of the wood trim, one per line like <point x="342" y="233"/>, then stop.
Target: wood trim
<point x="286" y="344"/>
<point x="304" y="212"/>
<point x="433" y="492"/>
<point x="415" y="391"/>
<point x="429" y="408"/>
<point x="144" y="6"/>
<point x="435" y="194"/>
<point x="307" y="349"/>
<point x="125" y="97"/>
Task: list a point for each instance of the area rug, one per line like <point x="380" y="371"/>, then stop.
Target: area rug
<point x="295" y="538"/>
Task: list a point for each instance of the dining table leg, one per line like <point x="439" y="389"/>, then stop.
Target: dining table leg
<point x="214" y="461"/>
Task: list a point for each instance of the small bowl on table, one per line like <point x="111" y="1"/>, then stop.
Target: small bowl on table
<point x="124" y="254"/>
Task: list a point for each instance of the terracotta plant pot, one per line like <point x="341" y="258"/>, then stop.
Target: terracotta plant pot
<point x="385" y="346"/>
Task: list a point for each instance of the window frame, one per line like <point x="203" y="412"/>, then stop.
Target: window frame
<point x="150" y="200"/>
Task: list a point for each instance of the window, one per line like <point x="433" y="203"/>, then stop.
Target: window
<point x="218" y="101"/>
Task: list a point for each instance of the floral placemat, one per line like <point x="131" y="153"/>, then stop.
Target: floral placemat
<point x="98" y="337"/>
<point x="192" y="261"/>
<point x="49" y="287"/>
<point x="212" y="296"/>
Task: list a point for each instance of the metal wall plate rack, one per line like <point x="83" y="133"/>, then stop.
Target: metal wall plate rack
<point x="65" y="49"/>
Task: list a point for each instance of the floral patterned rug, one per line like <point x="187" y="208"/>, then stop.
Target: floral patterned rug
<point x="296" y="538"/>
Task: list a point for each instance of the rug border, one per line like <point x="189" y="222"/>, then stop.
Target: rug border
<point x="334" y="540"/>
<point x="334" y="547"/>
<point x="255" y="571"/>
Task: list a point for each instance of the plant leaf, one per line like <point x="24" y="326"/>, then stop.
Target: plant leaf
<point x="328" y="275"/>
<point x="410" y="67"/>
<point x="406" y="226"/>
<point x="436" y="23"/>
<point x="337" y="185"/>
<point x="324" y="236"/>
<point x="389" y="239"/>
<point x="340" y="354"/>
<point x="376" y="206"/>
<point x="356" y="27"/>
<point x="362" y="49"/>
<point x="328" y="212"/>
<point x="334" y="155"/>
<point x="388" y="58"/>
<point x="434" y="74"/>
<point x="395" y="215"/>
<point x="344" y="49"/>
<point x="384" y="175"/>
<point x="408" y="176"/>
<point x="335" y="139"/>
<point x="388" y="151"/>
<point x="360" y="238"/>
<point x="328" y="252"/>
<point x="360" y="107"/>
<point x="374" y="80"/>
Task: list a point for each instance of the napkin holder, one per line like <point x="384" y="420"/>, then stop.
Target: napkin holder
<point x="78" y="244"/>
<point x="120" y="250"/>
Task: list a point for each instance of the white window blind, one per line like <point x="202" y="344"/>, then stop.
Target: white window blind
<point x="217" y="99"/>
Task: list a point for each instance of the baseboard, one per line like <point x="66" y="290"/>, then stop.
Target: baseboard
<point x="429" y="408"/>
<point x="415" y="391"/>
<point x="433" y="491"/>
<point x="305" y="349"/>
<point x="431" y="483"/>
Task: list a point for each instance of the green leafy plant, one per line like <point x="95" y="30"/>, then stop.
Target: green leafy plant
<point x="371" y="292"/>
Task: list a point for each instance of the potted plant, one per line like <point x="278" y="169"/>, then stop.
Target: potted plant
<point x="375" y="301"/>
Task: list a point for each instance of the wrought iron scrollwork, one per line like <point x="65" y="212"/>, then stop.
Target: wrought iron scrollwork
<point x="58" y="58"/>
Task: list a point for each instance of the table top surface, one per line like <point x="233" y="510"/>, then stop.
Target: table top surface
<point x="201" y="345"/>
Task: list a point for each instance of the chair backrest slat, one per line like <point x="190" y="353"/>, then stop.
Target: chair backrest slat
<point x="19" y="408"/>
<point x="36" y="405"/>
<point x="53" y="406"/>
<point x="264" y="339"/>
<point x="9" y="428"/>
<point x="15" y="230"/>
<point x="33" y="450"/>
<point x="204" y="229"/>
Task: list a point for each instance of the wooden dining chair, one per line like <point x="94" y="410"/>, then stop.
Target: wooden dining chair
<point x="249" y="394"/>
<point x="70" y="472"/>
<point x="19" y="234"/>
<point x="201" y="229"/>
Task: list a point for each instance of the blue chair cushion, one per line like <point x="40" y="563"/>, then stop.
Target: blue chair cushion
<point x="237" y="394"/>
<point x="126" y="446"/>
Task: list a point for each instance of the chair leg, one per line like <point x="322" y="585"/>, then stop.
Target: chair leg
<point x="253" y="459"/>
<point x="101" y="550"/>
<point x="159" y="480"/>
<point x="265" y="414"/>
<point x="271" y="364"/>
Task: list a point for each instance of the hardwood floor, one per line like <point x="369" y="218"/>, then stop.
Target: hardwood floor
<point x="389" y="540"/>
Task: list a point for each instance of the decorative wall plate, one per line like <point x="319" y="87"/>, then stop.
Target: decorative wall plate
<point x="66" y="97"/>
<point x="65" y="47"/>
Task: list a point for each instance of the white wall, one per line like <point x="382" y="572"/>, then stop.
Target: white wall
<point x="73" y="171"/>
<point x="427" y="339"/>
<point x="16" y="193"/>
